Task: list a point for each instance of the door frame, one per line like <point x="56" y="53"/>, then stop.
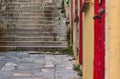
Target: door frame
<point x="81" y="36"/>
<point x="99" y="39"/>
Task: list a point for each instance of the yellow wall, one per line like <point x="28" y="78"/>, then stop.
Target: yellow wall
<point x="74" y="40"/>
<point x="88" y="42"/>
<point x="75" y="34"/>
<point x="113" y="21"/>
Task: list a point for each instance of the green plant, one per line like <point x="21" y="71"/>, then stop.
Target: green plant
<point x="62" y="7"/>
<point x="62" y="4"/>
<point x="76" y="67"/>
<point x="48" y="50"/>
<point x="15" y="49"/>
<point x="68" y="50"/>
<point x="78" y="70"/>
<point x="80" y="73"/>
<point x="68" y="36"/>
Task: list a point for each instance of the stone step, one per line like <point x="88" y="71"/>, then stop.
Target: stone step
<point x="38" y="19"/>
<point x="33" y="22"/>
<point x="37" y="35"/>
<point x="33" y="26"/>
<point x="40" y="35"/>
<point x="26" y="14"/>
<point x="30" y="7"/>
<point x="44" y="29"/>
<point x="30" y="48"/>
<point x="38" y="24"/>
<point x="33" y="9"/>
<point x="40" y="4"/>
<point x="10" y="38"/>
<point x="33" y="43"/>
<point x="31" y="15"/>
<point x="24" y="3"/>
<point x="16" y="36"/>
<point x="30" y="12"/>
<point x="31" y="18"/>
<point x="35" y="31"/>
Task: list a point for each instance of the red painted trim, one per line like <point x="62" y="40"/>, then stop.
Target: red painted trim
<point x="80" y="37"/>
<point x="99" y="42"/>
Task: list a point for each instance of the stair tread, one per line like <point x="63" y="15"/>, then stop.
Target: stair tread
<point x="36" y="41"/>
<point x="28" y="37"/>
<point x="36" y="46"/>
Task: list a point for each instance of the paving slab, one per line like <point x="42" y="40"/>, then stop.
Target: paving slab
<point x="2" y="63"/>
<point x="5" y="74"/>
<point x="9" y="54"/>
<point x="9" y="67"/>
<point x="22" y="55"/>
<point x="36" y="66"/>
<point x="7" y="59"/>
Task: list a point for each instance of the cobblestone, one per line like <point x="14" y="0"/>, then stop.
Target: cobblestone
<point x="36" y="66"/>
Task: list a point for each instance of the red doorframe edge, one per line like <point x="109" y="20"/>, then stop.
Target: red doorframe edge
<point x="81" y="36"/>
<point x="99" y="36"/>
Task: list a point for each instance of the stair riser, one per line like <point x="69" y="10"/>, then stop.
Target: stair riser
<point x="12" y="19"/>
<point x="30" y="44"/>
<point x="27" y="23"/>
<point x="30" y="31"/>
<point x="19" y="17"/>
<point x="36" y="11"/>
<point x="26" y="1"/>
<point x="28" y="48"/>
<point x="31" y="8"/>
<point x="37" y="34"/>
<point x="33" y="27"/>
<point x="30" y="16"/>
<point x="29" y="13"/>
<point x="32" y="39"/>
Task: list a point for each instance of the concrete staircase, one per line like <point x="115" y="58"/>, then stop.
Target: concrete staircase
<point x="32" y="25"/>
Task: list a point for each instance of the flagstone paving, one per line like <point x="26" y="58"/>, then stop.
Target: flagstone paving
<point x="22" y="65"/>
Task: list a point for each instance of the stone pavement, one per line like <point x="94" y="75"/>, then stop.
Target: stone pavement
<point x="22" y="65"/>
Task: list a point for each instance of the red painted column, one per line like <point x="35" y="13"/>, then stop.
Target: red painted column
<point x="81" y="36"/>
<point x="99" y="39"/>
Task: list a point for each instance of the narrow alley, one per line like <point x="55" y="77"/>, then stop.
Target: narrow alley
<point x="59" y="39"/>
